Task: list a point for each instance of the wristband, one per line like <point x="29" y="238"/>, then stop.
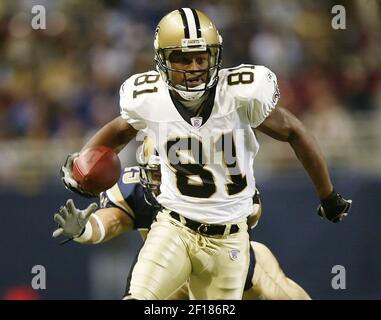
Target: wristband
<point x="101" y="228"/>
<point x="86" y="234"/>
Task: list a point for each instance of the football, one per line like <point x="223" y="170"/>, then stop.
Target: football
<point x="96" y="169"/>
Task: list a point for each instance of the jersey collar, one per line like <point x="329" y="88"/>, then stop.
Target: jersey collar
<point x="206" y="108"/>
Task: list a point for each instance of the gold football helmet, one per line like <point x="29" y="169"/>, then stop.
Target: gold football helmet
<point x="187" y="30"/>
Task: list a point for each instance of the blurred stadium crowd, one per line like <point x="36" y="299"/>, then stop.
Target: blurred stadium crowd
<point x="62" y="83"/>
<point x="59" y="85"/>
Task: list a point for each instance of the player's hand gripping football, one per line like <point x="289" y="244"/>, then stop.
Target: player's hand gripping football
<point x="71" y="220"/>
<point x="68" y="180"/>
<point x="334" y="207"/>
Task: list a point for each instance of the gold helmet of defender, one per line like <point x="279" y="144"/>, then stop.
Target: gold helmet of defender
<point x="187" y="30"/>
<point x="149" y="165"/>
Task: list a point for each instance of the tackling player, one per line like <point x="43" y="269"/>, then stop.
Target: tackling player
<point x="201" y="118"/>
<point x="131" y="204"/>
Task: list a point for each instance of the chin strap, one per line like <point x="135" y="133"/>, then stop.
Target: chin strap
<point x="190" y="95"/>
<point x="196" y="105"/>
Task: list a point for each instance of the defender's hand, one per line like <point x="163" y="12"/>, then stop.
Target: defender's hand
<point x="68" y="180"/>
<point x="334" y="207"/>
<point x="72" y="221"/>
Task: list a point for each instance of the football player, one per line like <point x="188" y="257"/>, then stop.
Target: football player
<point x="131" y="204"/>
<point x="201" y="118"/>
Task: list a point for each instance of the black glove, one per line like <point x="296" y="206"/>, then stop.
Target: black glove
<point x="334" y="207"/>
<point x="68" y="180"/>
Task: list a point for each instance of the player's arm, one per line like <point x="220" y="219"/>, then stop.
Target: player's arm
<point x="115" y="135"/>
<point x="114" y="221"/>
<point x="282" y="125"/>
<point x="118" y="132"/>
<point x="91" y="226"/>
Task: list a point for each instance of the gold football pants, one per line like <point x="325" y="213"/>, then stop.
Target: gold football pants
<point x="216" y="266"/>
<point x="269" y="281"/>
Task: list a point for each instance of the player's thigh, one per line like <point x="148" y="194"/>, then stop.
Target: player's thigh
<point x="163" y="264"/>
<point x="226" y="279"/>
<point x="269" y="280"/>
<point x="180" y="294"/>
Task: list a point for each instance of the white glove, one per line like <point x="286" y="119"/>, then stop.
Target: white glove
<point x="72" y="221"/>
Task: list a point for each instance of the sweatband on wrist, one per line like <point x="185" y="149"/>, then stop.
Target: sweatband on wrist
<point x="331" y="196"/>
<point x="101" y="228"/>
<point x="86" y="235"/>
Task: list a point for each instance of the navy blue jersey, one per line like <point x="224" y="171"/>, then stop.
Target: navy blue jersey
<point x="130" y="196"/>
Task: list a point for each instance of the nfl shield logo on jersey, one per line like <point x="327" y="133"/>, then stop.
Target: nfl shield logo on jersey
<point x="234" y="254"/>
<point x="196" y="122"/>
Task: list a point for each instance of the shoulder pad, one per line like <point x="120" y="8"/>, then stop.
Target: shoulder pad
<point x="133" y="94"/>
<point x="136" y="86"/>
<point x="253" y="87"/>
<point x="246" y="81"/>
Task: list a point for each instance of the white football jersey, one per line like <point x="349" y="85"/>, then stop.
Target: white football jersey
<point x="206" y="160"/>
